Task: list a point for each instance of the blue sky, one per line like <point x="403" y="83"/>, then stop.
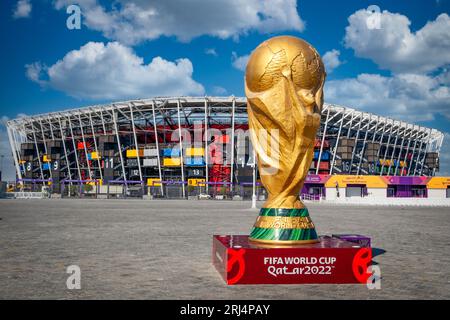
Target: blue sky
<point x="138" y="49"/>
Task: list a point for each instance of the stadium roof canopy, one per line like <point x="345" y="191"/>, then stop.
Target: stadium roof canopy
<point x="219" y="109"/>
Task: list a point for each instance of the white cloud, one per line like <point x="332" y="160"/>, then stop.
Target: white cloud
<point x="331" y="60"/>
<point x="219" y="90"/>
<point x="34" y="72"/>
<point x="22" y="9"/>
<point x="395" y="47"/>
<point x="239" y="62"/>
<point x="211" y="51"/>
<point x="408" y="97"/>
<point x="134" y="21"/>
<point x="114" y="71"/>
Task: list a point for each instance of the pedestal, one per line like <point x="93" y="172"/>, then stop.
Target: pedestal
<point x="331" y="260"/>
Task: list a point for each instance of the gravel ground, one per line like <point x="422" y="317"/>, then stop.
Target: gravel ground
<point x="138" y="249"/>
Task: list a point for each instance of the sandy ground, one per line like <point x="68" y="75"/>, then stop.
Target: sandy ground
<point x="161" y="249"/>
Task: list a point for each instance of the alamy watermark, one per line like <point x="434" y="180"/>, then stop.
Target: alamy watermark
<point x="373" y="21"/>
<point x="73" y="22"/>
<point x="74" y="280"/>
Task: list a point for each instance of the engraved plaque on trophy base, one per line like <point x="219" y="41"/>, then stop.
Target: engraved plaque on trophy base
<point x="330" y="260"/>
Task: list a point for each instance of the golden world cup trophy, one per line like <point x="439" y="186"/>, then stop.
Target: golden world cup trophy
<point x="284" y="86"/>
<point x="284" y="83"/>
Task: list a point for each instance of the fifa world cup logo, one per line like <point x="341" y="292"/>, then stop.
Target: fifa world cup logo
<point x="284" y="87"/>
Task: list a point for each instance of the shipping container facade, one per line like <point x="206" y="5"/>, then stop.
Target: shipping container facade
<point x="206" y="139"/>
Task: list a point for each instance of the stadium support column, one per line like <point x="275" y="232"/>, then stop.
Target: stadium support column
<point x="74" y="148"/>
<point x="407" y="149"/>
<point x="37" y="152"/>
<point x="401" y="149"/>
<point x="397" y="133"/>
<point x="95" y="146"/>
<point x="337" y="141"/>
<point x="206" y="146"/>
<point x="382" y="134"/>
<point x="376" y="129"/>
<point x="65" y="151"/>
<point x="356" y="141"/>
<point x="364" y="145"/>
<point x="103" y="122"/>
<point x="157" y="147"/>
<point x="232" y="145"/>
<point x="45" y="147"/>
<point x="350" y="123"/>
<point x="13" y="148"/>
<point x="323" y="140"/>
<point x="438" y="149"/>
<point x="53" y="139"/>
<point x="84" y="147"/>
<point x="181" y="149"/>
<point x="17" y="143"/>
<point x="417" y="159"/>
<point x="116" y="129"/>
<point x="136" y="142"/>
<point x="413" y="151"/>
<point x="51" y="128"/>
<point x="427" y="147"/>
<point x="387" y="146"/>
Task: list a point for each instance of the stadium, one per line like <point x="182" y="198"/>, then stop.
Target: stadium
<point x="133" y="149"/>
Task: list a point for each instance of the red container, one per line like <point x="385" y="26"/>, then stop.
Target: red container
<point x="216" y="155"/>
<point x="318" y="143"/>
<point x="324" y="165"/>
<point x="80" y="146"/>
<point x="224" y="139"/>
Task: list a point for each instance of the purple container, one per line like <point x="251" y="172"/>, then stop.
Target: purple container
<point x="362" y="241"/>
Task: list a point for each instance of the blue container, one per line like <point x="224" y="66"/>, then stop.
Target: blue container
<point x="46" y="166"/>
<point x="89" y="156"/>
<point x="171" y="153"/>
<point x="325" y="155"/>
<point x="194" y="161"/>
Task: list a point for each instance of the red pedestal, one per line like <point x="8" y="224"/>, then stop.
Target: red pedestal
<point x="331" y="260"/>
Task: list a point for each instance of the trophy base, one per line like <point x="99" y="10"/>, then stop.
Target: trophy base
<point x="240" y="260"/>
<point x="285" y="227"/>
<point x="280" y="243"/>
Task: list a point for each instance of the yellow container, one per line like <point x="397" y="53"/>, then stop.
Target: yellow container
<point x="196" y="182"/>
<point x="46" y="158"/>
<point x="195" y="152"/>
<point x="95" y="156"/>
<point x="133" y="153"/>
<point x="172" y="162"/>
<point x="150" y="182"/>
